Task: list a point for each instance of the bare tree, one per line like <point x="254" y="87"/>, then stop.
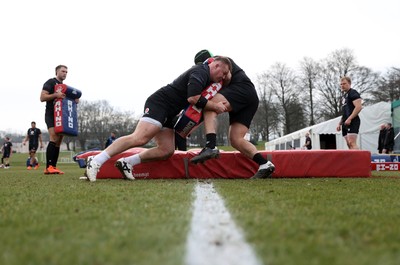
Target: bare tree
<point x="282" y="82"/>
<point x="266" y="119"/>
<point x="338" y="64"/>
<point x="309" y="72"/>
<point x="388" y="88"/>
<point x="98" y="119"/>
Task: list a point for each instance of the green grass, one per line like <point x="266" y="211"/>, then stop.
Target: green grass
<point x="59" y="219"/>
<point x="319" y="221"/>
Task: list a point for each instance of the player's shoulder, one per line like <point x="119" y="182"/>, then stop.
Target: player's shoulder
<point x="354" y="93"/>
<point x="50" y="82"/>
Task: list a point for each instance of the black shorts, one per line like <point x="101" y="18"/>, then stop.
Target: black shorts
<point x="6" y="155"/>
<point x="353" y="128"/>
<point x="49" y="119"/>
<point x="157" y="109"/>
<point x="242" y="97"/>
<point x="33" y="146"/>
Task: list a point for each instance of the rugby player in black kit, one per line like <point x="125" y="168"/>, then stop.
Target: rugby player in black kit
<point x="241" y="100"/>
<point x="160" y="110"/>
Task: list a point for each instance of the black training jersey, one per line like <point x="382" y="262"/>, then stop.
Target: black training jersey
<point x="49" y="87"/>
<point x="33" y="134"/>
<point x="238" y="75"/>
<point x="347" y="103"/>
<point x="7" y="147"/>
<point x="190" y="83"/>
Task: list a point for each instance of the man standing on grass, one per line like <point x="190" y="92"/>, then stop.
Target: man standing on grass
<point x="34" y="135"/>
<point x="351" y="107"/>
<point x="49" y="95"/>
<point x="7" y="151"/>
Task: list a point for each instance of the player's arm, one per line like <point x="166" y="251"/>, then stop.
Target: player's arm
<point x="205" y="104"/>
<point x="356" y="111"/>
<point x="25" y="140"/>
<point x="46" y="96"/>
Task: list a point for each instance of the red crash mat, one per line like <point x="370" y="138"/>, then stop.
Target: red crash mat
<point x="232" y="164"/>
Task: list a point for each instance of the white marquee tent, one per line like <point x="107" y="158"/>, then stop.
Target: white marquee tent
<point x="325" y="136"/>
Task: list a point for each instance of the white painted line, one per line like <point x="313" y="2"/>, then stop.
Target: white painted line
<point x="214" y="239"/>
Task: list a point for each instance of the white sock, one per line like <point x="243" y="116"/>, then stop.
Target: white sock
<point x="101" y="158"/>
<point x="133" y="159"/>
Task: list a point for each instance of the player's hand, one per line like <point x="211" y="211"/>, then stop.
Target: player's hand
<point x="220" y="107"/>
<point x="59" y="94"/>
<point x="347" y="122"/>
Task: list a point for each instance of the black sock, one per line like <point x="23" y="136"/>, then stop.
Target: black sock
<point x="211" y="139"/>
<point x="50" y="154"/>
<point x="57" y="153"/>
<point x="259" y="159"/>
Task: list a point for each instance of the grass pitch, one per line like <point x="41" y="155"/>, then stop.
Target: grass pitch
<point x="59" y="219"/>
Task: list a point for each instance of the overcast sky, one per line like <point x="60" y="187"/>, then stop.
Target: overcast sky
<point x="122" y="50"/>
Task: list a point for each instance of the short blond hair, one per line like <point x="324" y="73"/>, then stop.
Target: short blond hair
<point x="348" y="79"/>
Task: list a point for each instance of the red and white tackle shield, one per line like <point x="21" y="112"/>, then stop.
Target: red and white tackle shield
<point x="191" y="117"/>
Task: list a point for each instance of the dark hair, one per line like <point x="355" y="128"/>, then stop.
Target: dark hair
<point x="201" y="56"/>
<point x="58" y="67"/>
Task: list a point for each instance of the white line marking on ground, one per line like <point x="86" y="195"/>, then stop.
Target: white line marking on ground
<point x="214" y="239"/>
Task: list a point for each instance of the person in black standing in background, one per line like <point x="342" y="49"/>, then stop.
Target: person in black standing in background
<point x="351" y="106"/>
<point x="388" y="144"/>
<point x="34" y="135"/>
<point x="308" y="144"/>
<point x="7" y="151"/>
<point x="381" y="138"/>
<point x="110" y="140"/>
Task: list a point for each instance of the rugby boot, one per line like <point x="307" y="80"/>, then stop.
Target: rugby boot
<point x="59" y="171"/>
<point x="92" y="168"/>
<point x="52" y="170"/>
<point x="204" y="155"/>
<point x="125" y="168"/>
<point x="264" y="171"/>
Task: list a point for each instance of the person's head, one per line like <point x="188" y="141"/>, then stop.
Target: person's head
<point x="389" y="125"/>
<point x="220" y="68"/>
<point x="345" y="83"/>
<point x="383" y="126"/>
<point x="201" y="56"/>
<point x="61" y="72"/>
<point x="112" y="134"/>
<point x="33" y="124"/>
<point x="307" y="134"/>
